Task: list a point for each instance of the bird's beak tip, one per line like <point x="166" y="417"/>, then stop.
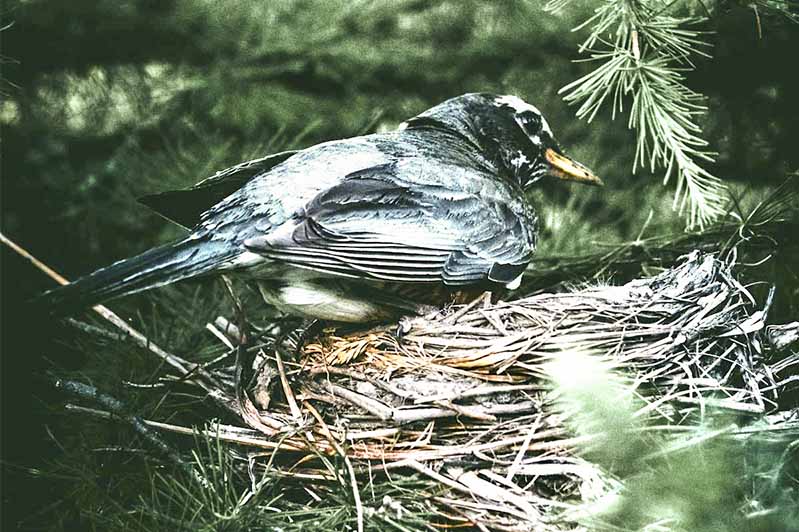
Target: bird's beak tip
<point x="570" y="170"/>
<point x="595" y="181"/>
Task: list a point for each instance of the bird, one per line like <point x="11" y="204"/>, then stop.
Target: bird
<point x="365" y="228"/>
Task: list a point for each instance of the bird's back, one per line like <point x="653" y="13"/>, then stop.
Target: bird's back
<point x="425" y="160"/>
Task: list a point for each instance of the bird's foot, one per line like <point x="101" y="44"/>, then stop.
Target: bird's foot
<point x="257" y="369"/>
<point x="293" y="337"/>
<point x="310" y="330"/>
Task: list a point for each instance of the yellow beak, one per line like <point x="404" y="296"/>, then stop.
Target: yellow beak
<point x="570" y="170"/>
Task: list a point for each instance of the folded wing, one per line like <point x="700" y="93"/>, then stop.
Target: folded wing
<point x="375" y="226"/>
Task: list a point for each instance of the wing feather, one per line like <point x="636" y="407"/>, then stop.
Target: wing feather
<point x="185" y="207"/>
<point x="374" y="226"/>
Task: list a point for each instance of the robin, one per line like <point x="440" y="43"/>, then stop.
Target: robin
<point x="361" y="229"/>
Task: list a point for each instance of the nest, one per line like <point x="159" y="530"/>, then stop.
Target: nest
<point x="473" y="397"/>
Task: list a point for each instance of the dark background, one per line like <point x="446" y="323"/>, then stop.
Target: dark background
<point x="104" y="101"/>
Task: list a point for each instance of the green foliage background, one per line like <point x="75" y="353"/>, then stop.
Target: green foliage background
<point x="107" y="100"/>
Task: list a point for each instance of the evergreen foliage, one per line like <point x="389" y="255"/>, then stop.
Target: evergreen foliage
<point x="644" y="61"/>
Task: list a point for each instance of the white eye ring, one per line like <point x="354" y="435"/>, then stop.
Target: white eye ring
<point x="520" y="106"/>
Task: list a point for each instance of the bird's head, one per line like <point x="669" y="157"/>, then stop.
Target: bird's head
<point x="513" y="134"/>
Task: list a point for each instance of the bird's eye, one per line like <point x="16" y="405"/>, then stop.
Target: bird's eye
<point x="530" y="121"/>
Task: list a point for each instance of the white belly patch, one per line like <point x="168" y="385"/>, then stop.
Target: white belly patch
<point x="316" y="301"/>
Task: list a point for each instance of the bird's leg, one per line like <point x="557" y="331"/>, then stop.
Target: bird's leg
<point x="310" y="330"/>
<point x="247" y="369"/>
<point x="283" y="328"/>
<point x="254" y="376"/>
<point x="271" y="368"/>
<point x="304" y="331"/>
<point x="256" y="370"/>
<point x="241" y="318"/>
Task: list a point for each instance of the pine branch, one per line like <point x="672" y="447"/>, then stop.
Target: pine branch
<point x="645" y="64"/>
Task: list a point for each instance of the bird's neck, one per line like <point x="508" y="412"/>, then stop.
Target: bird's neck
<point x="460" y="124"/>
<point x="446" y="122"/>
<point x="462" y="127"/>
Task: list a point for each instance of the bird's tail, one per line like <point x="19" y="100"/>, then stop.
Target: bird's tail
<point x="153" y="268"/>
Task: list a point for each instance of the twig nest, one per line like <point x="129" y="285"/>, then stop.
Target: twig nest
<point x="485" y="398"/>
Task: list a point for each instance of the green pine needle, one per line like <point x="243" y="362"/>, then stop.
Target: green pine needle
<point x="645" y="63"/>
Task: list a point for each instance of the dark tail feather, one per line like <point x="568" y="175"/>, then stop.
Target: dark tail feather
<point x="153" y="268"/>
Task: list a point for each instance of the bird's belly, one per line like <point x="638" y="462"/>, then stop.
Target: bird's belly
<point x="315" y="300"/>
<point x="358" y="301"/>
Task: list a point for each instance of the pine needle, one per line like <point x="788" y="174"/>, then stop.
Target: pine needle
<point x="644" y="64"/>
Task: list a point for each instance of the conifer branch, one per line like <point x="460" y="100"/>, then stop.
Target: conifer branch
<point x="644" y="63"/>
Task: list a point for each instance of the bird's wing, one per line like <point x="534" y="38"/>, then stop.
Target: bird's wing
<point x="374" y="226"/>
<point x="184" y="207"/>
